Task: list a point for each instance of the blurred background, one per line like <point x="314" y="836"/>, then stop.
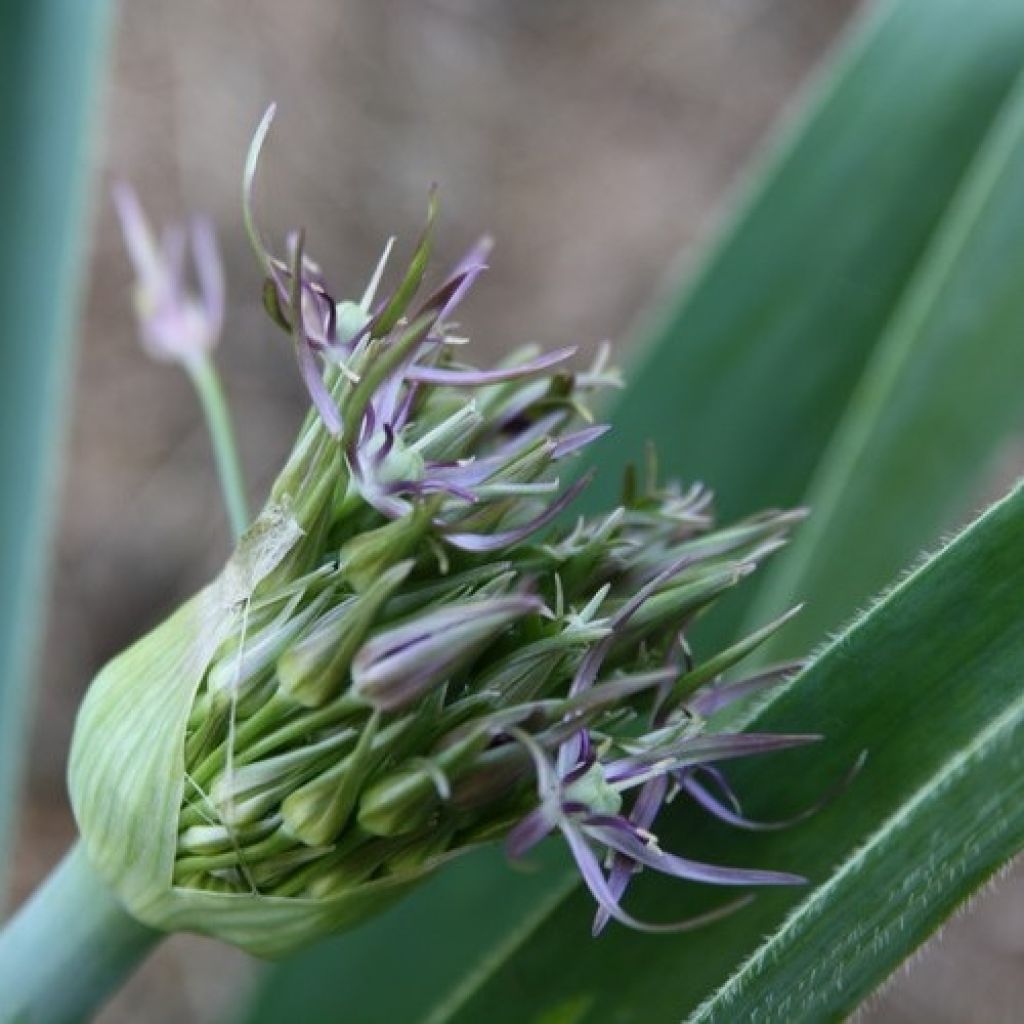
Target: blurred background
<point x="597" y="141"/>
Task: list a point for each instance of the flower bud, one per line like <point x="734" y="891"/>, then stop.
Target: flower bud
<point x="402" y="664"/>
<point x="315" y="668"/>
<point x="406" y="801"/>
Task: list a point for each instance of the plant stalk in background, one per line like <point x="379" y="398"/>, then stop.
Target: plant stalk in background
<point x="51" y="53"/>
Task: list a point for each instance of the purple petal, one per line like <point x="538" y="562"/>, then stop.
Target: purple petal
<point x="619" y="876"/>
<point x="138" y="236"/>
<point x="317" y="389"/>
<point x="209" y="271"/>
<point x="477" y="378"/>
<point x="525" y="835"/>
<point x="699" y="749"/>
<point x="717" y="776"/>
<point x="471" y="472"/>
<point x="679" y="867"/>
<point x="432" y="486"/>
<point x="649" y="802"/>
<point x="570" y="443"/>
<point x="520" y="436"/>
<point x="728" y="815"/>
<point x="308" y="367"/>
<point x="547" y="781"/>
<point x="646" y="808"/>
<point x="404" y="409"/>
<point x="468" y="279"/>
<point x="595" y="881"/>
<point x="517" y="404"/>
<point x="732" y="816"/>
<point x="468" y="269"/>
<point x="399" y="664"/>
<point x="172" y="250"/>
<point x="318" y="316"/>
<point x="482" y="543"/>
<point x="386" y="503"/>
<point x="387" y="442"/>
<point x="386" y="397"/>
<point x="571" y="750"/>
<point x="712" y="699"/>
<point x="477" y="470"/>
<point x="633" y="605"/>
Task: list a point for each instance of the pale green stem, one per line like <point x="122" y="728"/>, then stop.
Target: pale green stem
<point x="69" y="948"/>
<point x="222" y="436"/>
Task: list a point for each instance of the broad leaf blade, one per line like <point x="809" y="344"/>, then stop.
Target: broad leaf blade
<point x="49" y="52"/>
<point x="942" y="389"/>
<point x="748" y="372"/>
<point x="929" y="683"/>
<point x="944" y="858"/>
<point x="745" y="378"/>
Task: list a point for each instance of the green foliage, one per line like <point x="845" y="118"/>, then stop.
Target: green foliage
<point x="860" y="310"/>
<point x="942" y="389"/>
<point x="48" y="65"/>
<point x="750" y="368"/>
<point x="945" y="793"/>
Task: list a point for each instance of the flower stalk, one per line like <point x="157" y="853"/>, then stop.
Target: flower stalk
<point x="69" y="947"/>
<point x="208" y="387"/>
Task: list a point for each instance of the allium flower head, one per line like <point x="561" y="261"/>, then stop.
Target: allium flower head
<point x="407" y="656"/>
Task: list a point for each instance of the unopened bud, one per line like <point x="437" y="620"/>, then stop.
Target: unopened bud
<point x="401" y="664"/>
<point x="315" y="668"/>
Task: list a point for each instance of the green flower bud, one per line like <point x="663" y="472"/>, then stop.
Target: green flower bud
<point x="406" y="800"/>
<point x="315" y="668"/>
<point x="401" y="664"/>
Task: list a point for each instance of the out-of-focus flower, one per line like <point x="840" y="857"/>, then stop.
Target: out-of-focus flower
<point x="401" y="660"/>
<point x="176" y="324"/>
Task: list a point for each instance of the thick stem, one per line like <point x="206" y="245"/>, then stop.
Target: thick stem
<point x="222" y="437"/>
<point x="68" y="948"/>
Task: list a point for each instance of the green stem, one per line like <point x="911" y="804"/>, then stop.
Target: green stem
<point x="222" y="436"/>
<point x="69" y="948"/>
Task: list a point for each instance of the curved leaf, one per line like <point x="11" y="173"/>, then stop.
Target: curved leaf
<point x="942" y="390"/>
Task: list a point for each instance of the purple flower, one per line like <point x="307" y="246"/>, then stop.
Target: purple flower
<point x="586" y="807"/>
<point x="176" y="324"/>
<point x="582" y="792"/>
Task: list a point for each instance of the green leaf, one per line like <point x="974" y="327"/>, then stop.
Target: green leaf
<point x="748" y="370"/>
<point x="746" y="378"/>
<point x="49" y="52"/>
<point x="929" y="683"/>
<point x="942" y="389"/>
